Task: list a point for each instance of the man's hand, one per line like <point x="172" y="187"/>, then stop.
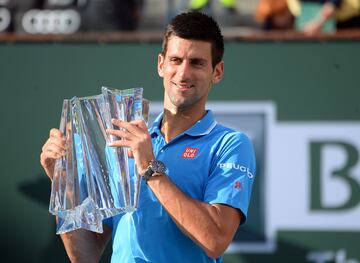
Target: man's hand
<point x="81" y="245"/>
<point x="53" y="149"/>
<point x="134" y="135"/>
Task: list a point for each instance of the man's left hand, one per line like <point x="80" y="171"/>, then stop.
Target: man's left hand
<point x="134" y="135"/>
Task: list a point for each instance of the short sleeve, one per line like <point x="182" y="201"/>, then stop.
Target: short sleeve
<point x="232" y="174"/>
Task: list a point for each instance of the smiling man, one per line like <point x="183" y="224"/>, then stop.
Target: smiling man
<point x="197" y="172"/>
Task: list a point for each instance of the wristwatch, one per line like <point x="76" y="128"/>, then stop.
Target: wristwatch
<point x="155" y="168"/>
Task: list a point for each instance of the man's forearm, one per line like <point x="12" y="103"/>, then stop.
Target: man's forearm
<point x="85" y="246"/>
<point x="205" y="224"/>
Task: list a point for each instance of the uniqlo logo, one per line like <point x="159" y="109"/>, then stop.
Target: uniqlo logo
<point x="190" y="153"/>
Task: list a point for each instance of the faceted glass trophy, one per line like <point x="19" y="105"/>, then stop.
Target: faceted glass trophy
<point x="136" y="176"/>
<point x="58" y="184"/>
<point x="125" y="105"/>
<point x="71" y="198"/>
<point x="92" y="181"/>
<point x="107" y="188"/>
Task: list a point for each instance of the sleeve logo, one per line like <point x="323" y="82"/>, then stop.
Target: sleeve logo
<point x="237" y="185"/>
<point x="239" y="167"/>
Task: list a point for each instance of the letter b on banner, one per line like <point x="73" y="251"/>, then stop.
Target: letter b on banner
<point x="333" y="184"/>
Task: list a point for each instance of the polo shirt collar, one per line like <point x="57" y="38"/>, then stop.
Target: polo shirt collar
<point x="201" y="127"/>
<point x="155" y="128"/>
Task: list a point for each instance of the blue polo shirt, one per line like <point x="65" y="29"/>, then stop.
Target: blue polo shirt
<point x="208" y="162"/>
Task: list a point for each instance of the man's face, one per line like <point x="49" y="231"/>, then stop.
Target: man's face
<point x="187" y="73"/>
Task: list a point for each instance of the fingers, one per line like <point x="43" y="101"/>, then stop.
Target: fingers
<point x="132" y="134"/>
<point x="134" y="127"/>
<point x="48" y="157"/>
<point x="55" y="142"/>
<point x="121" y="134"/>
<point x="49" y="154"/>
<point x="54" y="147"/>
<point x="129" y="131"/>
<point x="120" y="143"/>
<point x="56" y="137"/>
<point x="139" y="123"/>
<point x="55" y="133"/>
<point x="135" y="136"/>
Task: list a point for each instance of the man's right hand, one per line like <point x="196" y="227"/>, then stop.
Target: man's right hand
<point x="54" y="148"/>
<point x="81" y="245"/>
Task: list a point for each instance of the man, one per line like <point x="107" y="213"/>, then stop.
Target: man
<point x="198" y="173"/>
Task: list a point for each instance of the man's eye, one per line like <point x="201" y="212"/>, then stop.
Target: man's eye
<point x="175" y="60"/>
<point x="198" y="62"/>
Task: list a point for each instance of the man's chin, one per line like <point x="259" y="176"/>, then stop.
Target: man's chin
<point x="183" y="104"/>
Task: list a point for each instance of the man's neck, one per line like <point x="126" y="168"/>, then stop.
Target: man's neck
<point x="175" y="122"/>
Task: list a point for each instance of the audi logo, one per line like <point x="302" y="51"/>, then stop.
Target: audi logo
<point x="65" y="21"/>
<point x="5" y="19"/>
<point x="60" y="2"/>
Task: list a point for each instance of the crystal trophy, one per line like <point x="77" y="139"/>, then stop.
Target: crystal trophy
<point x="129" y="102"/>
<point x="136" y="176"/>
<point x="92" y="181"/>
<point x="71" y="199"/>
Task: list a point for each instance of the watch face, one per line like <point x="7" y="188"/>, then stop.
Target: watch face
<point x="158" y="167"/>
<point x="155" y="167"/>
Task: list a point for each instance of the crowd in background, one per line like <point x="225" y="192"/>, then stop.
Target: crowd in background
<point x="70" y="16"/>
<point x="309" y="16"/>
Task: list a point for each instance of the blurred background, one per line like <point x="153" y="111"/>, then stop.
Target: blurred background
<point x="291" y="82"/>
<point x="71" y="16"/>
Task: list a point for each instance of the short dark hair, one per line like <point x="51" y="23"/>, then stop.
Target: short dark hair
<point x="196" y="26"/>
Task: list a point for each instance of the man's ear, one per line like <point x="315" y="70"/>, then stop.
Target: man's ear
<point x="161" y="59"/>
<point x="218" y="72"/>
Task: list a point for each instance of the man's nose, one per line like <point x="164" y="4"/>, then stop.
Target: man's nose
<point x="184" y="70"/>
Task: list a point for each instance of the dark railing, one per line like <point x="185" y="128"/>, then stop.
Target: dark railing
<point x="230" y="34"/>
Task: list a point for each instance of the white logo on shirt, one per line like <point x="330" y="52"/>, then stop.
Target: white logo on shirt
<point x="235" y="166"/>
